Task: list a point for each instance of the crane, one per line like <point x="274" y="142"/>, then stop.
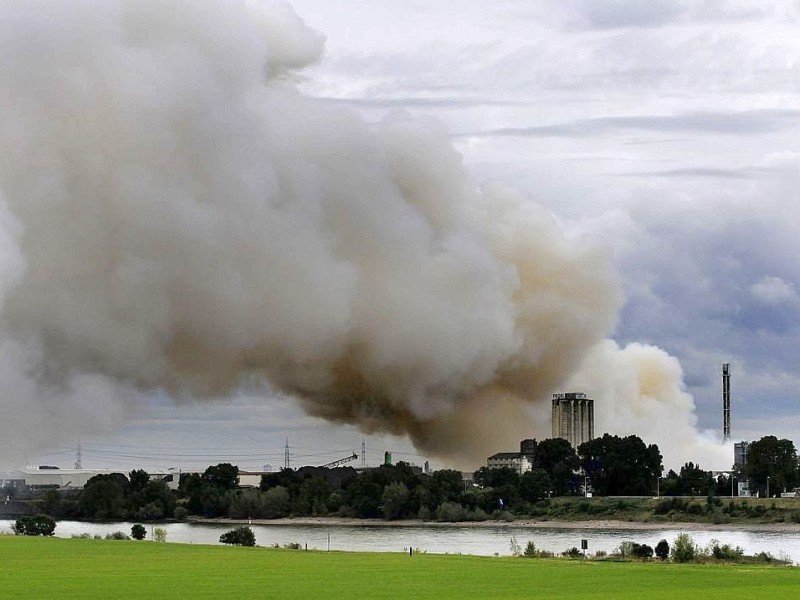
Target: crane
<point x="339" y="462"/>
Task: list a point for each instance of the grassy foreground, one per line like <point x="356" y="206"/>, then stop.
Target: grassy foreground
<point x="71" y="568"/>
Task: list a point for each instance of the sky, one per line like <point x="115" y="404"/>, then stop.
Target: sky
<point x="663" y="132"/>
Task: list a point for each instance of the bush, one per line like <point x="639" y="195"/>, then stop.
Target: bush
<point x="725" y="551"/>
<point x="425" y="513"/>
<point x="662" y="550"/>
<point x="718" y="517"/>
<point x="450" y="512"/>
<point x="478" y="515"/>
<point x="181" y="513"/>
<point x="241" y="536"/>
<point x="293" y="546"/>
<point x="36" y="525"/>
<point x="160" y="534"/>
<point x="117" y="535"/>
<point x="683" y="548"/>
<point x="530" y="550"/>
<point x="138" y="532"/>
<point x="571" y="553"/>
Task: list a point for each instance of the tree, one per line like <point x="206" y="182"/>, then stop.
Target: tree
<point x="560" y="461"/>
<point x="394" y="501"/>
<point x="138" y="479"/>
<point x="683" y="548"/>
<point x="224" y="476"/>
<point x="534" y="485"/>
<point x="442" y="486"/>
<point x="621" y="466"/>
<point x="277" y="503"/>
<point x="103" y="497"/>
<point x="160" y="534"/>
<point x="36" y="525"/>
<point x="662" y="550"/>
<point x="313" y="495"/>
<point x="773" y="459"/>
<point x="241" y="536"/>
<point x="693" y="481"/>
<point x="138" y="532"/>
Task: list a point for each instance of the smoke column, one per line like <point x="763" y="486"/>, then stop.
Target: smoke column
<point x="175" y="215"/>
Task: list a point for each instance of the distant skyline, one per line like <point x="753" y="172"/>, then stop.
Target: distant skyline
<point x="665" y="131"/>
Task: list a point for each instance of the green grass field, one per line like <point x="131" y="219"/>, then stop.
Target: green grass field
<point x="72" y="568"/>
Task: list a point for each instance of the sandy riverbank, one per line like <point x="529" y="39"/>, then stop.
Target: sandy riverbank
<point x="522" y="523"/>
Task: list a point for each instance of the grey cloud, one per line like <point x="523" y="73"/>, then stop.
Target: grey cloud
<point x="738" y="123"/>
<point x="613" y="14"/>
<point x="694" y="172"/>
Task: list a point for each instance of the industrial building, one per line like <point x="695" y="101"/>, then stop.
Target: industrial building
<point x="573" y="418"/>
<point x="521" y="461"/>
<point x="52" y="477"/>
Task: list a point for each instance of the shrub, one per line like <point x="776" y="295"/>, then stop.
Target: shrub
<point x="695" y="509"/>
<point x="725" y="551"/>
<point x="479" y="515"/>
<point x="160" y="534"/>
<point x="293" y="546"/>
<point x="571" y="552"/>
<point x="515" y="548"/>
<point x="241" y="536"/>
<point x="683" y="548"/>
<point x="117" y="535"/>
<point x="625" y="549"/>
<point x="36" y="525"/>
<point x="450" y="512"/>
<point x="662" y="550"/>
<point x="181" y="513"/>
<point x="138" y="532"/>
<point x="425" y="513"/>
<point x="81" y="536"/>
<point x="718" y="517"/>
<point x="530" y="550"/>
<point x="642" y="551"/>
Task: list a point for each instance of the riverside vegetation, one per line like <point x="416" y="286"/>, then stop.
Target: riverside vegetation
<point x="91" y="568"/>
<point x="623" y="473"/>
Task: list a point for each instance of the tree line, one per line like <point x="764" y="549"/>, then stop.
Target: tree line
<point x="606" y="466"/>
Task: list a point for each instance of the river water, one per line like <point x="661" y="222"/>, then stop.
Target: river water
<point x="483" y="540"/>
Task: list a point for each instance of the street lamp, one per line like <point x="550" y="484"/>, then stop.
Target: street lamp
<point x="767" y="486"/>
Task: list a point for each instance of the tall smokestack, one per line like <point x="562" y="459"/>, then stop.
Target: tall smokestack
<point x="726" y="401"/>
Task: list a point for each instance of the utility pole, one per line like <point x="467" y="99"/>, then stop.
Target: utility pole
<point x="78" y="462"/>
<point x="363" y="453"/>
<point x="726" y="402"/>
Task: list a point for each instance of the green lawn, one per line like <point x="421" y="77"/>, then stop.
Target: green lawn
<point x="71" y="568"/>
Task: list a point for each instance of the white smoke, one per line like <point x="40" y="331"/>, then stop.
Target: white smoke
<point x="178" y="216"/>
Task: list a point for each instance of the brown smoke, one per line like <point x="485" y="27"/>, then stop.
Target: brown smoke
<point x="176" y="215"/>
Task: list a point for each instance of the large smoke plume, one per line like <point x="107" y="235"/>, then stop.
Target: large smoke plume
<point x="177" y="216"/>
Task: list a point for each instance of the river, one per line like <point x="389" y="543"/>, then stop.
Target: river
<point x="484" y="540"/>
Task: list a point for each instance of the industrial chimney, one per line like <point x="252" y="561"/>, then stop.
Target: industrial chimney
<point x="726" y="401"/>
